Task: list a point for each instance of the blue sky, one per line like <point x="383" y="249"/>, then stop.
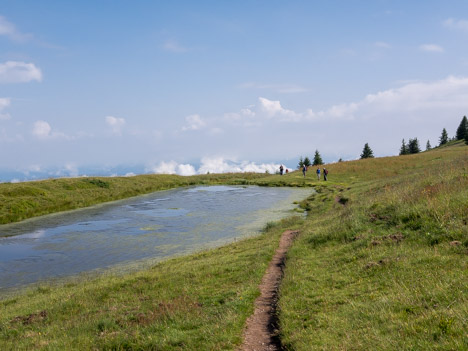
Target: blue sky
<point x="195" y="86"/>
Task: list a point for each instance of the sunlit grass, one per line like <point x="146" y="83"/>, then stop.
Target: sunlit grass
<point x="388" y="270"/>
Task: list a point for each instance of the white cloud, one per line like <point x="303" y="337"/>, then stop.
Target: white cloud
<point x="116" y="124"/>
<point x="213" y="165"/>
<point x="450" y="92"/>
<point x="164" y="168"/>
<point x="274" y="109"/>
<point x="42" y="130"/>
<point x="19" y="72"/>
<point x="221" y="165"/>
<point x="69" y="170"/>
<point x="4" y="103"/>
<point x="382" y="44"/>
<point x="173" y="46"/>
<point x="411" y="97"/>
<point x="431" y="48"/>
<point x="9" y="30"/>
<point x="173" y="167"/>
<point x="194" y="122"/>
<point x="185" y="170"/>
<point x="456" y="24"/>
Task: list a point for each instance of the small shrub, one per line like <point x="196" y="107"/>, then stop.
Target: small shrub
<point x="99" y="183"/>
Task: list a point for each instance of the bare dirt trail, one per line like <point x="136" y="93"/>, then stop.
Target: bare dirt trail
<point x="261" y="333"/>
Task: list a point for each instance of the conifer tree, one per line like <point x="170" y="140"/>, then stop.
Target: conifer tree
<point x="462" y="129"/>
<point x="413" y="146"/>
<point x="317" y="159"/>
<point x="367" y="152"/>
<point x="404" y="148"/>
<point x="301" y="163"/>
<point x="428" y="145"/>
<point x="443" y="138"/>
<point x="306" y="161"/>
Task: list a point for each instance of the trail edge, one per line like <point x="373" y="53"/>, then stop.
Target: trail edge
<point x="261" y="331"/>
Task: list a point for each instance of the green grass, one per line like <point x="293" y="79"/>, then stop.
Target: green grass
<point x="380" y="264"/>
<point x="387" y="269"/>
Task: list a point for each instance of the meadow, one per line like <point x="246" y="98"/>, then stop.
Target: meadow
<point x="380" y="264"/>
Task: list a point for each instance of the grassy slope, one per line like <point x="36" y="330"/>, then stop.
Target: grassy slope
<point x="388" y="270"/>
<point x="378" y="272"/>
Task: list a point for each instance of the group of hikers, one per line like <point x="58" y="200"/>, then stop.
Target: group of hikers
<point x="282" y="170"/>
<point x="304" y="170"/>
<point x="325" y="172"/>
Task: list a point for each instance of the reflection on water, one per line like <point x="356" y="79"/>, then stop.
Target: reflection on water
<point x="154" y="226"/>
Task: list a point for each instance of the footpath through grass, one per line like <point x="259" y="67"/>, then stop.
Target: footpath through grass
<point x="197" y="302"/>
<point x="380" y="264"/>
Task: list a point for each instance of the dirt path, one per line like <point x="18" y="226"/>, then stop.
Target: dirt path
<point x="261" y="333"/>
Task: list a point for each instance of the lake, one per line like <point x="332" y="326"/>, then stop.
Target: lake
<point x="146" y="229"/>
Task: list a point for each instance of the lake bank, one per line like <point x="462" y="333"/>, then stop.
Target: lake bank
<point x="20" y="201"/>
<point x="148" y="228"/>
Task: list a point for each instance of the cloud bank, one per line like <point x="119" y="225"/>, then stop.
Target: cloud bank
<point x="213" y="165"/>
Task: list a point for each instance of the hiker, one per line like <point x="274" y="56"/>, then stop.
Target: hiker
<point x="318" y="173"/>
<point x="304" y="169"/>
<point x="287" y="171"/>
<point x="281" y="169"/>
<point x="325" y="174"/>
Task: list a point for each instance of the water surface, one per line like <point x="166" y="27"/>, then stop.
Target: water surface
<point x="153" y="226"/>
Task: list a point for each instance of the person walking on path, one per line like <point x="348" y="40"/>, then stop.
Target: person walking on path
<point x="281" y="169"/>
<point x="304" y="170"/>
<point x="325" y="173"/>
<point x="318" y="173"/>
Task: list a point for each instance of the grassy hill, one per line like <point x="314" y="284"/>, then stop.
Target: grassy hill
<point x="380" y="264"/>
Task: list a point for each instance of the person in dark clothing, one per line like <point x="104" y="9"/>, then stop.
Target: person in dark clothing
<point x="304" y="170"/>
<point x="325" y="174"/>
<point x="281" y="170"/>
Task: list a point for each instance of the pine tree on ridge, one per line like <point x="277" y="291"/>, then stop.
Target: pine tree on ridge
<point x="367" y="152"/>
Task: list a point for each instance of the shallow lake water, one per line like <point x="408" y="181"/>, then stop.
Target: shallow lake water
<point x="146" y="228"/>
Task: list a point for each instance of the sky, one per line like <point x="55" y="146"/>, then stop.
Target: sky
<point x="130" y="87"/>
